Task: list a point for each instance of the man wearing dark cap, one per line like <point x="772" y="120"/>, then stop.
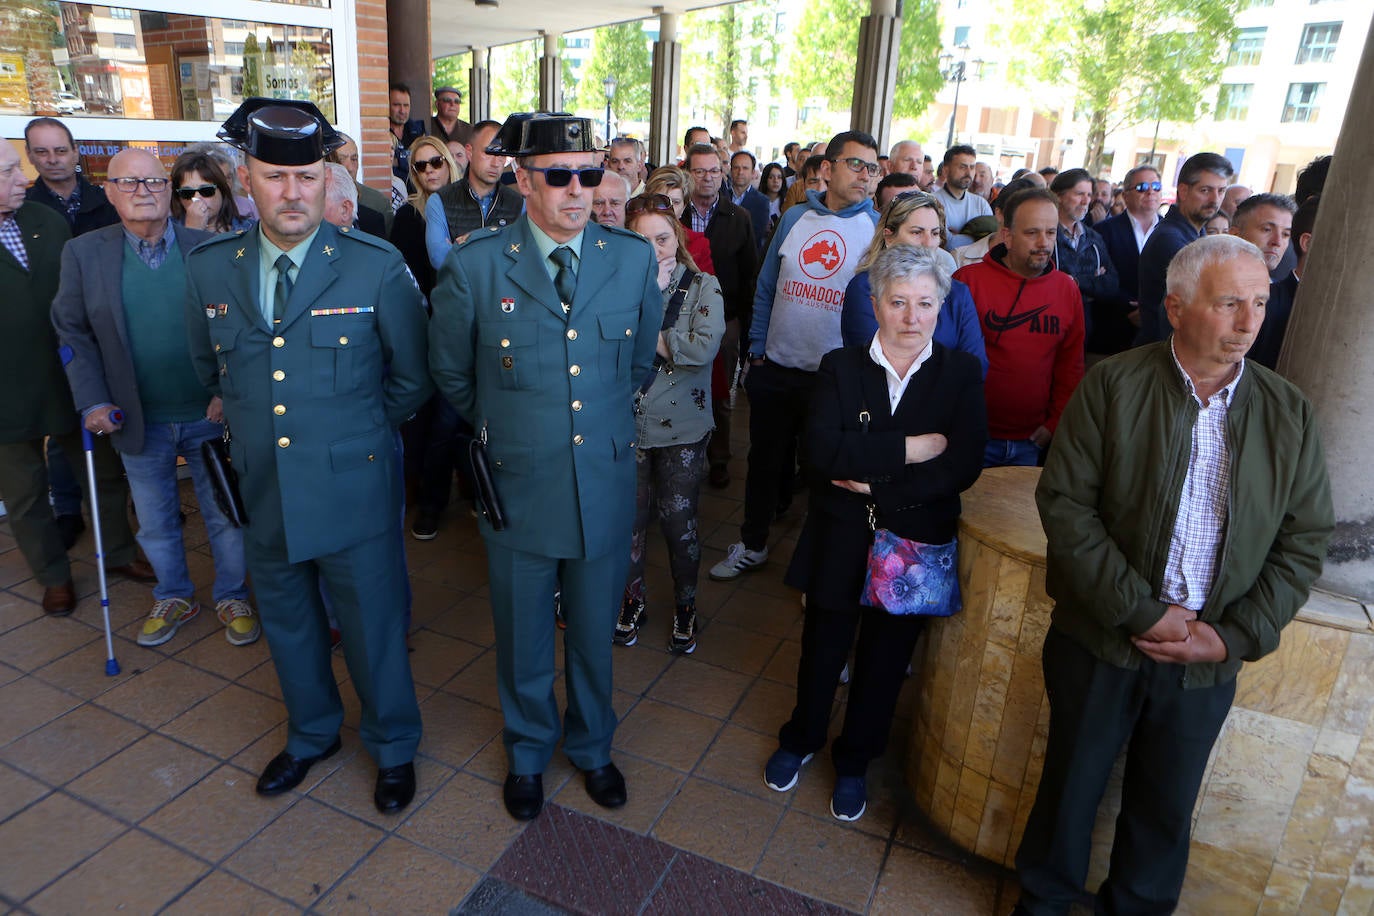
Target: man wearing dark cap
<point x="447" y="125"/>
<point x="314" y="336"/>
<point x="542" y="332"/>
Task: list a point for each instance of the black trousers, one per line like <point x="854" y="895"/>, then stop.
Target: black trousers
<point x="880" y="659"/>
<point x="779" y="402"/>
<point x="1095" y="708"/>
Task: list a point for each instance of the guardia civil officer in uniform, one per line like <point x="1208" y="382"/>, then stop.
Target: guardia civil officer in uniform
<point x="315" y="337"/>
<point x="542" y="332"/>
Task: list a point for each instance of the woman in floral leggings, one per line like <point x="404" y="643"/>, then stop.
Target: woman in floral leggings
<point x="673" y="414"/>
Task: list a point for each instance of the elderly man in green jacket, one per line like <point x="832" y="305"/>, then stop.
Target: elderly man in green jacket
<point x="1187" y="509"/>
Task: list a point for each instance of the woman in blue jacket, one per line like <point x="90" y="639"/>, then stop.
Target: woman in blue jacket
<point x="913" y="218"/>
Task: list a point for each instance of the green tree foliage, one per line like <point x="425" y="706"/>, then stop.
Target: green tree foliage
<point x="724" y="47"/>
<point x="515" y="78"/>
<point x="252" y="66"/>
<point x="1127" y="61"/>
<point x="824" y="55"/>
<point x="453" y="70"/>
<point x="621" y="51"/>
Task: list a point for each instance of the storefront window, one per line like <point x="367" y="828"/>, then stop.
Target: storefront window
<point x="75" y="59"/>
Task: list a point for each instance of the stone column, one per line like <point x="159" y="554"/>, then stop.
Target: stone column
<point x="479" y="94"/>
<point x="875" y="80"/>
<point x="1327" y="349"/>
<point x="550" y="75"/>
<point x="408" y="53"/>
<point x="666" y="86"/>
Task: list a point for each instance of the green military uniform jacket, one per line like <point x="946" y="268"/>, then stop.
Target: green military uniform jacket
<point x="553" y="390"/>
<point x="312" y="404"/>
<point x="34" y="398"/>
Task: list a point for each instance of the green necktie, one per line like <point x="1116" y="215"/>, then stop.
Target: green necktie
<point x="566" y="281"/>
<point x="283" y="293"/>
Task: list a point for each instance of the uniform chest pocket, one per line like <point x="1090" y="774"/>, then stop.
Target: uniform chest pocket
<point x="224" y="341"/>
<point x="336" y="353"/>
<point x="510" y="351"/>
<point x="617" y="344"/>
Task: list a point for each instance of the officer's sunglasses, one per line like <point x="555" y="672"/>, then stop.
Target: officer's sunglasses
<point x="648" y="203"/>
<point x="1144" y="186"/>
<point x="206" y="190"/>
<point x="424" y="165"/>
<point x="561" y="178"/>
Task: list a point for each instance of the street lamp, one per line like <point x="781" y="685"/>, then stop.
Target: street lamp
<point x="956" y="71"/>
<point x="608" y="84"/>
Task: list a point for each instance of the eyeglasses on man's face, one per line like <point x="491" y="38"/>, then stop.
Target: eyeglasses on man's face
<point x="557" y="177"/>
<point x="857" y="165"/>
<point x="1144" y="186"/>
<point x="129" y="185"/>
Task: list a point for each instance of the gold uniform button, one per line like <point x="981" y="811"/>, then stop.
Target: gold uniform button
<point x="279" y="409"/>
<point x="279" y="342"/>
<point x="284" y="441"/>
<point x="577" y="440"/>
<point x="574" y="369"/>
<point x="505" y="341"/>
<point x="572" y="333"/>
<point x="343" y="341"/>
<point x="629" y="333"/>
<point x="576" y="405"/>
<point x="371" y="457"/>
<point x="279" y="376"/>
<point x="218" y="348"/>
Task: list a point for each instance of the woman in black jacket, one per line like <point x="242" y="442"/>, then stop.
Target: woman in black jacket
<point x="897" y="431"/>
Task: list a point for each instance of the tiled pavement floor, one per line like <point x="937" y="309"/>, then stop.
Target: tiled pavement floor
<point x="135" y="793"/>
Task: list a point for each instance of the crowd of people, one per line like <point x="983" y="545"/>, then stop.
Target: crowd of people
<point x="581" y="323"/>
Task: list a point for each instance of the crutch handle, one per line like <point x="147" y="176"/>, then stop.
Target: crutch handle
<point x="88" y="440"/>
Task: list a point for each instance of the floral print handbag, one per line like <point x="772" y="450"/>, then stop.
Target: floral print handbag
<point x="911" y="578"/>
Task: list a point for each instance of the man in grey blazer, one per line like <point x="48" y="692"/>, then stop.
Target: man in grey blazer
<point x="120" y="310"/>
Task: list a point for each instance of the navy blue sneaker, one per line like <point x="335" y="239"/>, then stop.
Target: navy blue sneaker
<point x="849" y="801"/>
<point x="780" y="772"/>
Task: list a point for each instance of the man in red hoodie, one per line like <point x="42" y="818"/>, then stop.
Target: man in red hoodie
<point x="1032" y="320"/>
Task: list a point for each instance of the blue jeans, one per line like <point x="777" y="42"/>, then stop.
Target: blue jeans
<point x="1011" y="452"/>
<point x="153" y="483"/>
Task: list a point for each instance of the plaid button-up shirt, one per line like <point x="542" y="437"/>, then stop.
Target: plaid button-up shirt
<point x="1204" y="503"/>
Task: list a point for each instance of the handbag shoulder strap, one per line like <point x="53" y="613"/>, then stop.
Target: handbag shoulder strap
<point x="674" y="310"/>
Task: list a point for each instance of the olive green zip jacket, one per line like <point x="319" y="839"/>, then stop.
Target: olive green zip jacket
<point x="1110" y="493"/>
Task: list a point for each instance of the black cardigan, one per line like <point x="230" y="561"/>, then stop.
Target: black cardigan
<point x="916" y="501"/>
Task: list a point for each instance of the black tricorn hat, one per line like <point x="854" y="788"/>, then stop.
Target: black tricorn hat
<point x="529" y="133"/>
<point x="281" y="131"/>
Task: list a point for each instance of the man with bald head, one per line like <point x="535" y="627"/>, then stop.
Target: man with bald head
<point x="609" y="198"/>
<point x="120" y="310"/>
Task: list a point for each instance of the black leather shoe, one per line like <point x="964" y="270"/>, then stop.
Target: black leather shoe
<point x="524" y="796"/>
<point x="395" y="788"/>
<point x="606" y="786"/>
<point x="285" y="772"/>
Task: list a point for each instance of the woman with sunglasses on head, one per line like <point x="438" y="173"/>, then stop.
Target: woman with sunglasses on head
<point x="676" y="185"/>
<point x="673" y="415"/>
<point x="201" y="197"/>
<point x="431" y="167"/>
<point x="915" y="219"/>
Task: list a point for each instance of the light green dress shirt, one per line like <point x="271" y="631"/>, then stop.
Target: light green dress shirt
<point x="546" y="246"/>
<point x="267" y="269"/>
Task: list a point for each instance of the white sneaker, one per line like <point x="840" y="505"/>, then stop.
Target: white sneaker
<point x="738" y="559"/>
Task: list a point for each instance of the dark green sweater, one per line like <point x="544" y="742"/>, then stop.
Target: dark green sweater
<point x="155" y="315"/>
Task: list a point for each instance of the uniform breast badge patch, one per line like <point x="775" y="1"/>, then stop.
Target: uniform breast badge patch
<point x="218" y="310"/>
<point x="507" y="362"/>
<point x="507" y="305"/>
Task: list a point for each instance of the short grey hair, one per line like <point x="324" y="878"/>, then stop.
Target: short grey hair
<point x="903" y="263"/>
<point x="339" y="186"/>
<point x="612" y="174"/>
<point x="1185" y="270"/>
